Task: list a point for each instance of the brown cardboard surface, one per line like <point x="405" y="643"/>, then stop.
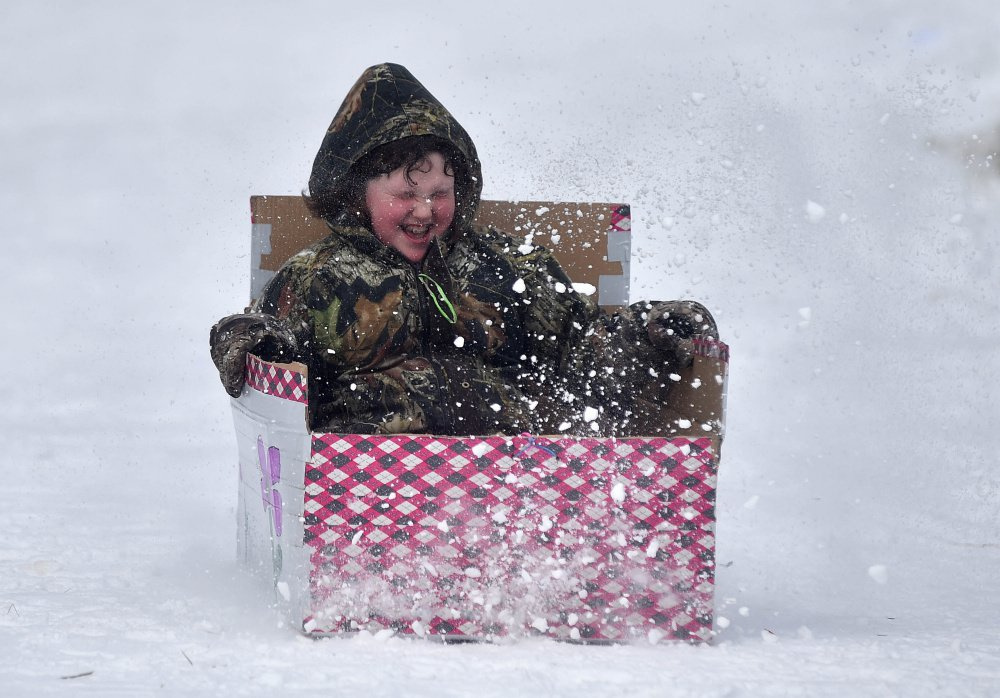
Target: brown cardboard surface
<point x="580" y="232"/>
<point x="576" y="233"/>
<point x="697" y="401"/>
<point x="292" y="227"/>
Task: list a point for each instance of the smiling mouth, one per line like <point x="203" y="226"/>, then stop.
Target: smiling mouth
<point x="417" y="232"/>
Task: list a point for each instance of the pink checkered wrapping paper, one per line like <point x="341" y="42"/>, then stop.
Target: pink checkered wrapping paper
<point x="583" y="539"/>
<point x="276" y="380"/>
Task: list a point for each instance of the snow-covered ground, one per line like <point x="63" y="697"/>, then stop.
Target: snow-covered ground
<point x="814" y="172"/>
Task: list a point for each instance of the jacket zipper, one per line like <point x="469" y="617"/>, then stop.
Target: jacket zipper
<point x="425" y="320"/>
<point x="423" y="306"/>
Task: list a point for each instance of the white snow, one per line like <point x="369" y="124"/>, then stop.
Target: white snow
<point x="618" y="492"/>
<point x="655" y="635"/>
<point x="815" y="212"/>
<point x="879" y="573"/>
<point x="805" y="316"/>
<point x="133" y="134"/>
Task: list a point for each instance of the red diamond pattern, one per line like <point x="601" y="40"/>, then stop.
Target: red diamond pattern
<point x="574" y="538"/>
<point x="275" y="380"/>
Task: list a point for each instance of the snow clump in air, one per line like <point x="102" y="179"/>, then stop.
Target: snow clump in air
<point x="880" y="573"/>
<point x="814" y="212"/>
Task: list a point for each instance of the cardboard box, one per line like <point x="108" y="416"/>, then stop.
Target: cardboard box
<point x="580" y="539"/>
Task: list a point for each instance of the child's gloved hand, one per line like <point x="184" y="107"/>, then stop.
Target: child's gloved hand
<point x="236" y="335"/>
<point x="672" y="325"/>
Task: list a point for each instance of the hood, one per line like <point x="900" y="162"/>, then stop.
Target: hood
<point x="387" y="104"/>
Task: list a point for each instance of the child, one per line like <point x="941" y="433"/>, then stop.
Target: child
<point x="412" y="320"/>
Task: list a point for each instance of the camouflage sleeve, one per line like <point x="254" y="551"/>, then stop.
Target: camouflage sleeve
<point x="285" y="298"/>
<point x="260" y="330"/>
<point x="596" y="367"/>
<point x="567" y="376"/>
<point x="643" y="371"/>
<point x="233" y="337"/>
<point x="293" y="297"/>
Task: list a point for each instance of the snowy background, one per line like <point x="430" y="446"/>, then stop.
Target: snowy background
<point x="819" y="177"/>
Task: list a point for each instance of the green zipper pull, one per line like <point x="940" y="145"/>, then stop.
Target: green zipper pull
<point x="439" y="297"/>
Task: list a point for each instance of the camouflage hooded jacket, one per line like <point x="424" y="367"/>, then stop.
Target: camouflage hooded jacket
<point x="525" y="353"/>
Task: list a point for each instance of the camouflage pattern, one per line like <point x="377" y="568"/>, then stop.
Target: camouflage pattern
<point x="525" y="352"/>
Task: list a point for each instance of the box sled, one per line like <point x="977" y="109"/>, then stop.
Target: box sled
<point x="580" y="539"/>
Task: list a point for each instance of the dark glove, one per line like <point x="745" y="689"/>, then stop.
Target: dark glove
<point x="672" y="325"/>
<point x="233" y="337"/>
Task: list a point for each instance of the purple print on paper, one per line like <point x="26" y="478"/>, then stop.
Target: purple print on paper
<point x="270" y="474"/>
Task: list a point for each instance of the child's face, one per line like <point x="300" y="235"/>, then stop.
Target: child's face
<point x="409" y="210"/>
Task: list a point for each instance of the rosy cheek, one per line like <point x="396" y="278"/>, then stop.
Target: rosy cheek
<point x="445" y="211"/>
